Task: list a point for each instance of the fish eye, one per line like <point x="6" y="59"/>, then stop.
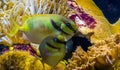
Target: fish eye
<point x="71" y="27"/>
<point x="68" y="24"/>
<point x="55" y="39"/>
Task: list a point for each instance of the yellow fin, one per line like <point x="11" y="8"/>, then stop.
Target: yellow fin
<point x="62" y="65"/>
<point x="115" y="28"/>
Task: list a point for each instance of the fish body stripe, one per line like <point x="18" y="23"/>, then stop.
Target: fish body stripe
<point x="57" y="27"/>
<point x="51" y="46"/>
<point x="70" y="27"/>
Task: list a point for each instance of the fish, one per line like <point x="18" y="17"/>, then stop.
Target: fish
<point x="50" y="32"/>
<point x="53" y="49"/>
<point x="38" y="27"/>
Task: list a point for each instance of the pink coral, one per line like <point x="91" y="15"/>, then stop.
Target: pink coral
<point x="80" y="17"/>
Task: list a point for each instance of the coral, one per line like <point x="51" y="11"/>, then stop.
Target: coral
<point x="85" y="22"/>
<point x="19" y="60"/>
<point x="81" y="18"/>
<point x="80" y="61"/>
<point x="116" y="66"/>
<point x="103" y="29"/>
<point x="101" y="55"/>
<point x="22" y="60"/>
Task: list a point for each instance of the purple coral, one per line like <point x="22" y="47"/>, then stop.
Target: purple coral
<point x="24" y="47"/>
<point x="81" y="15"/>
<point x="21" y="47"/>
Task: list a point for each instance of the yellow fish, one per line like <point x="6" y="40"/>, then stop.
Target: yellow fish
<point x="38" y="27"/>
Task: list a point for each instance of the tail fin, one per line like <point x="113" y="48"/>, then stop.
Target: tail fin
<point x="15" y="28"/>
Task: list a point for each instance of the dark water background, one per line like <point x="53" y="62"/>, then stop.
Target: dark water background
<point x="110" y="8"/>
